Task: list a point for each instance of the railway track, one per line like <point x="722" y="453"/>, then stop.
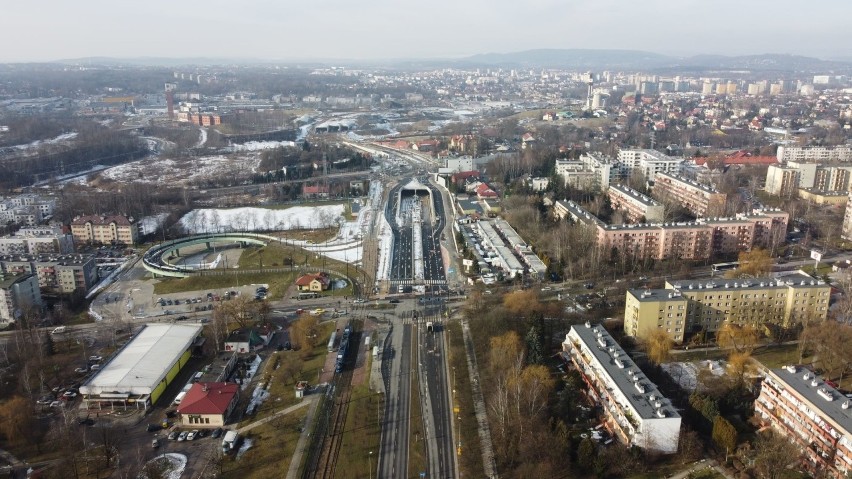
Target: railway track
<point x="328" y="436"/>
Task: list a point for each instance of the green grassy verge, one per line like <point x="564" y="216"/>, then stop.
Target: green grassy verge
<point x="778" y="356"/>
<point x="360" y="435"/>
<point x="470" y="461"/>
<point x="416" y="436"/>
<point x="282" y="383"/>
<point x="273" y="445"/>
<point x="278" y="282"/>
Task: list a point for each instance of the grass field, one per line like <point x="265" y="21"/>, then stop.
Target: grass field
<point x="273" y="445"/>
<point x="470" y="461"/>
<point x="360" y="435"/>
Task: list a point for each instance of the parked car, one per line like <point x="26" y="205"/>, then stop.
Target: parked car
<point x="155" y="443"/>
<point x="153" y="427"/>
<point x="173" y="435"/>
<point x="192" y="435"/>
<point x="95" y="359"/>
<point x="216" y="433"/>
<point x="182" y="436"/>
<point x="45" y="400"/>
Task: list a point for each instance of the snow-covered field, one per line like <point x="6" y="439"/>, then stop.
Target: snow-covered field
<point x="261" y="145"/>
<point x="150" y="224"/>
<point x="177" y="464"/>
<point x="183" y="170"/>
<point x="687" y="374"/>
<point x="210" y="220"/>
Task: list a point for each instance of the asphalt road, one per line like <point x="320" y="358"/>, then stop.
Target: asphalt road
<point x="396" y="373"/>
<point x="437" y="411"/>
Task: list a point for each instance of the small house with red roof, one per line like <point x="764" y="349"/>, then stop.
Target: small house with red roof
<point x="427" y="145"/>
<point x="484" y="191"/>
<point x="313" y="282"/>
<point x="208" y="404"/>
<point x="317" y="191"/>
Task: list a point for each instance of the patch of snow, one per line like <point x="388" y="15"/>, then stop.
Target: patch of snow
<point x="252" y="370"/>
<point x="257" y="398"/>
<point x="150" y="224"/>
<point x="202" y="137"/>
<point x="686" y="375"/>
<point x="261" y="145"/>
<point x="247" y="443"/>
<point x="177" y="464"/>
<point x="50" y="141"/>
<point x="260" y="219"/>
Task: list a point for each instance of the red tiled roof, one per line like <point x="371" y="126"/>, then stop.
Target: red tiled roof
<point x="746" y="158"/>
<point x="463" y="175"/>
<point x="307" y="279"/>
<point x="208" y="398"/>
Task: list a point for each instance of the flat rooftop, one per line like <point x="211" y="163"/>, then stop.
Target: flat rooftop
<point x="817" y="392"/>
<point x="602" y="345"/>
<point x="630" y="192"/>
<point x="143" y="362"/>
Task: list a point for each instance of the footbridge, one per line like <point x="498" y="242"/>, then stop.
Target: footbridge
<point x="157" y="260"/>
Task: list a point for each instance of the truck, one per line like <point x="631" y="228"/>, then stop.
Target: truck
<point x="229" y="442"/>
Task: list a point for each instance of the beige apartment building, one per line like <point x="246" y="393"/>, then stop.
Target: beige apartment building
<point x="18" y="292"/>
<point x="105" y="230"/>
<point x="685" y="306"/>
<point x="636" y="205"/>
<point x="782" y="180"/>
<point x="701" y="200"/>
<point x="56" y="273"/>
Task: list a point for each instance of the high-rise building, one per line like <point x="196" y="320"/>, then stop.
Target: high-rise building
<point x="18" y="292"/>
<point x="701" y="200"/>
<point x="782" y="180"/>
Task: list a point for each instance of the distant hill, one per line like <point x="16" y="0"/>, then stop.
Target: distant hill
<point x="584" y="59"/>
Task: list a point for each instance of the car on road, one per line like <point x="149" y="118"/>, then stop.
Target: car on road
<point x="95" y="359"/>
<point x="547" y="288"/>
<point x="317" y="312"/>
<point x="182" y="436"/>
<point x="359" y="301"/>
<point x="58" y="330"/>
<point x="82" y="370"/>
<point x="68" y="395"/>
<point x="394" y="301"/>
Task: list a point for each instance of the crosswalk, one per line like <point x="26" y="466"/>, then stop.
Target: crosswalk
<point x="412" y="282"/>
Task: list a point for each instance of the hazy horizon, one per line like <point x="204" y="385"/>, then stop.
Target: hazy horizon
<point x="51" y="30"/>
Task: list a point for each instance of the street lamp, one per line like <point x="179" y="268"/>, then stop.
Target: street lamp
<point x="370" y="466"/>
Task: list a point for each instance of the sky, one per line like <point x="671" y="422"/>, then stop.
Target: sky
<point x="46" y="30"/>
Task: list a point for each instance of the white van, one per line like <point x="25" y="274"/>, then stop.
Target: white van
<point x="58" y="330"/>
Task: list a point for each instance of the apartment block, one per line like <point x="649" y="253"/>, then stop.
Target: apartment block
<point x="782" y="180"/>
<point x="812" y="415"/>
<point x="18" y="292"/>
<point x="63" y="274"/>
<point x="105" y="230"/>
<point x="636" y="205"/>
<point x="701" y="200"/>
<point x="575" y="174"/>
<point x="846" y="230"/>
<point x="37" y="240"/>
<point x="832" y="178"/>
<point x="633" y="409"/>
<point x="685" y="306"/>
<point x="649" y="162"/>
<point x="592" y="170"/>
<point x="685" y="240"/>
<point x="816" y="154"/>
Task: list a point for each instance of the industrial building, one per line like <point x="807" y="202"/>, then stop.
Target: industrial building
<point x="138" y="374"/>
<point x="811" y="414"/>
<point x="633" y="409"/>
<point x="685" y="306"/>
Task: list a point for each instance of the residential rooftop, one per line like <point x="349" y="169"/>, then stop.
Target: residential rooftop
<point x="830" y="402"/>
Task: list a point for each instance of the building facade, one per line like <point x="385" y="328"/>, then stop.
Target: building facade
<point x="782" y="180"/>
<point x="633" y="409"/>
<point x="816" y="154"/>
<point x="105" y="230"/>
<point x="17" y="294"/>
<point x="812" y="415"/>
<point x="208" y="404"/>
<point x="701" y="200"/>
<point x="37" y="240"/>
<point x="690" y="306"/>
<point x="63" y="274"/>
<point x="649" y="162"/>
<point x="639" y="208"/>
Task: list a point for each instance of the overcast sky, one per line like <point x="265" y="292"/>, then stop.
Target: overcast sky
<point x="44" y="30"/>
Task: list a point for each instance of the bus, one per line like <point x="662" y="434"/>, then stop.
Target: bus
<point x="430" y="327"/>
<point x="331" y="345"/>
<point x="722" y="267"/>
<point x="308" y="295"/>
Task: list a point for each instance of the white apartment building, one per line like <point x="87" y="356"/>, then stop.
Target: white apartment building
<point x="634" y="410"/>
<point x="575" y="174"/>
<point x="17" y="293"/>
<point x="816" y="154"/>
<point x="649" y="162"/>
<point x="846" y="231"/>
<point x="592" y="170"/>
<point x="636" y="204"/>
<point x="37" y="240"/>
<point x="457" y="165"/>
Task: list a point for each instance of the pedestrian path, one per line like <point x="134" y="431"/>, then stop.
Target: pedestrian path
<point x="296" y="460"/>
<point x="489" y="464"/>
<point x="305" y="401"/>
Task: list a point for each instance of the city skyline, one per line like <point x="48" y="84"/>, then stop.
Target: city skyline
<point x="384" y="30"/>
